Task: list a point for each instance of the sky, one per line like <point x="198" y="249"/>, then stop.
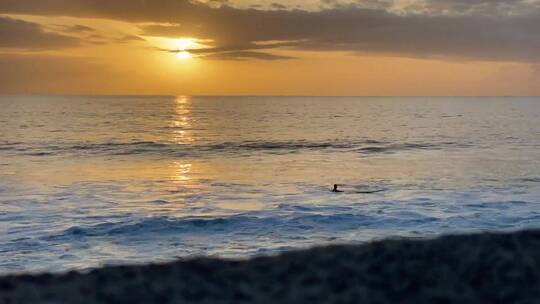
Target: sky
<point x="271" y="47"/>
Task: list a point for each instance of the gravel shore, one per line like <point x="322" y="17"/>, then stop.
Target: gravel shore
<point x="478" y="268"/>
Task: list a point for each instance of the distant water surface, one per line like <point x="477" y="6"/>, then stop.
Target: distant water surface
<point x="88" y="181"/>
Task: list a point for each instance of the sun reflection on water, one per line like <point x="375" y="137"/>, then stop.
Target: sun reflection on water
<point x="182" y="134"/>
<point x="182" y="120"/>
<point x="181" y="171"/>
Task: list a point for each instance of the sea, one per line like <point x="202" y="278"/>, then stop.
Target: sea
<point x="88" y="181"/>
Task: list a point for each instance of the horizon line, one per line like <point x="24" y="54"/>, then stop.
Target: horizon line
<point x="260" y="95"/>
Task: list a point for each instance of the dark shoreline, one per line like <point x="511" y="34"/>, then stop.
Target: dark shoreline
<point x="477" y="268"/>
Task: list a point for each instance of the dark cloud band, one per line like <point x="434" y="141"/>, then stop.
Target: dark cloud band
<point x="28" y="35"/>
<point x="450" y="29"/>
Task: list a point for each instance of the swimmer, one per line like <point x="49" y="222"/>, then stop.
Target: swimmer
<point x="336" y="189"/>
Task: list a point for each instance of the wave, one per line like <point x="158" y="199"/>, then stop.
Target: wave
<point x="366" y="147"/>
<point x="296" y="220"/>
<point x="530" y="179"/>
<point x="396" y="147"/>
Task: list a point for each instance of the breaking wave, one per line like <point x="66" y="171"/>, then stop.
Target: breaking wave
<point x="365" y="147"/>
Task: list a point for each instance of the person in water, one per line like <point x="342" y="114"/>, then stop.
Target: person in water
<point x="360" y="192"/>
<point x="336" y="189"/>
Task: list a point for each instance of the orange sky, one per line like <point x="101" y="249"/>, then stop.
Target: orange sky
<point x="267" y="48"/>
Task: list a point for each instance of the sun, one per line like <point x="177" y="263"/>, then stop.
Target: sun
<point x="183" y="55"/>
<point x="184" y="49"/>
<point x="183" y="45"/>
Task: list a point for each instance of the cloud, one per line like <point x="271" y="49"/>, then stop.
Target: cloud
<point x="99" y="39"/>
<point x="166" y="10"/>
<point x="16" y="33"/>
<point x="358" y="30"/>
<point x="78" y="28"/>
<point x="492" y="30"/>
<point x="238" y="52"/>
<point x="474" y="7"/>
<point x="278" y="6"/>
<point x="244" y="55"/>
<point x="128" y="38"/>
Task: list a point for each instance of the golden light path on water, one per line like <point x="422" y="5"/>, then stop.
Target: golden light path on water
<point x="182" y="121"/>
<point x="188" y="176"/>
<point x="181" y="125"/>
<point x="181" y="171"/>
